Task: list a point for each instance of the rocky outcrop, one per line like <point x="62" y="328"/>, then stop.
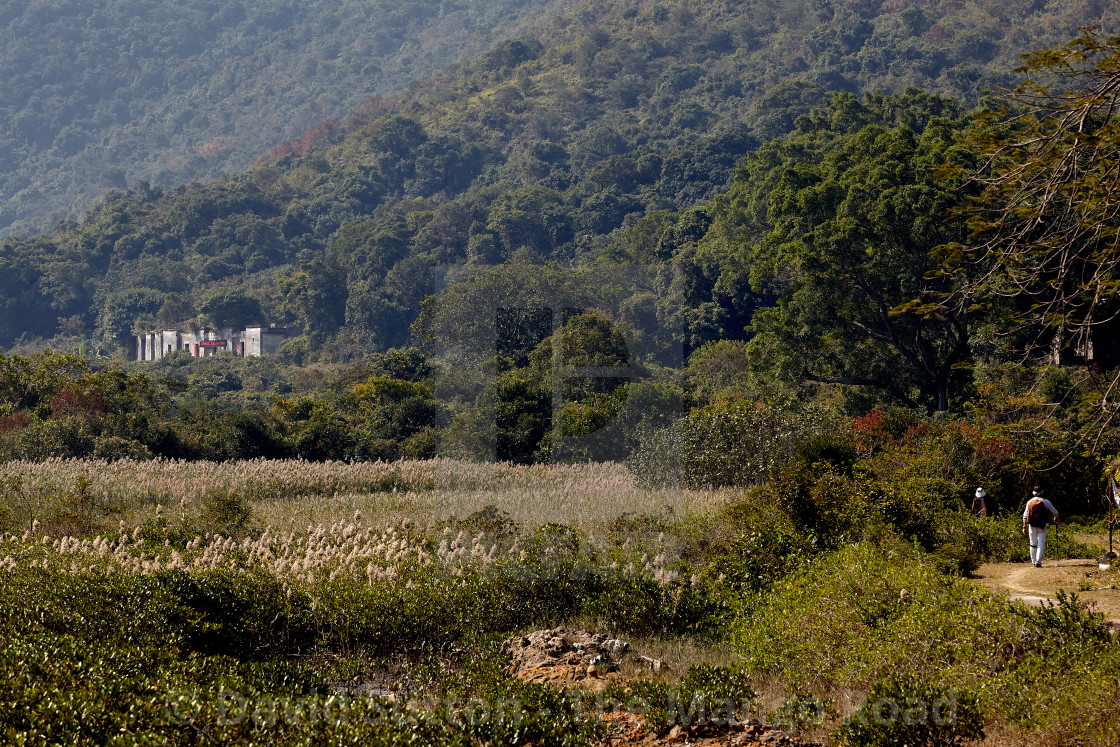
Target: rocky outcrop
<point x="576" y="659"/>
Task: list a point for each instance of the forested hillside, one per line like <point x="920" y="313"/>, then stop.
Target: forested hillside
<point x="597" y="136"/>
<point x="98" y="94"/>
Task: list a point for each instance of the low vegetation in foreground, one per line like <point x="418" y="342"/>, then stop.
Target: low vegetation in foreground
<point x="216" y="614"/>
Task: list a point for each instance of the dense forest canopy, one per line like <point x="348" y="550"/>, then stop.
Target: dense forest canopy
<point x="598" y="134"/>
<point x="102" y="94"/>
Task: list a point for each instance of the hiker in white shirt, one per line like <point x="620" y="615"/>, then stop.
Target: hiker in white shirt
<point x="1038" y="513"/>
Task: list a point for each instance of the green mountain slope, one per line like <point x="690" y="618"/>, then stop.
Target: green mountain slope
<point x="98" y="93"/>
<point x="588" y="135"/>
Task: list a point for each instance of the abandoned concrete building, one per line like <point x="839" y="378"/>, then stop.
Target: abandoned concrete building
<point x="247" y="342"/>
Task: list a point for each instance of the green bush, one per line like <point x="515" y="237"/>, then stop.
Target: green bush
<point x="423" y="444"/>
<point x="1000" y="539"/>
<point x="115" y="447"/>
<point x="65" y="437"/>
<point x="899" y="711"/>
<point x="323" y="439"/>
<point x="759" y="558"/>
<point x="501" y="710"/>
<point x="489" y="519"/>
<point x="955" y="557"/>
<point x="801" y="712"/>
<point x="863" y="615"/>
<point x="226" y="512"/>
<point x="705" y="695"/>
<point x="727" y="443"/>
<point x="821" y="502"/>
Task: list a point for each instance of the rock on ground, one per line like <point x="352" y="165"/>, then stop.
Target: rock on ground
<point x="576" y="659"/>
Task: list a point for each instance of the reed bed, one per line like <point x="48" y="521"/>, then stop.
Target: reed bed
<point x="583" y="504"/>
<point x="287" y="494"/>
<point x="346" y="550"/>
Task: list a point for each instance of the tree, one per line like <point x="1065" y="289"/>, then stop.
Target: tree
<point x="316" y="295"/>
<point x="531" y="218"/>
<point x="1046" y="226"/>
<point x="522" y="417"/>
<point x="125" y="312"/>
<point x="587" y="341"/>
<point x="837" y="222"/>
<point x="27" y="382"/>
<point x="225" y="306"/>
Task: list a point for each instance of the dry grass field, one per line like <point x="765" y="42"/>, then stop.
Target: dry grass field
<point x="290" y="494"/>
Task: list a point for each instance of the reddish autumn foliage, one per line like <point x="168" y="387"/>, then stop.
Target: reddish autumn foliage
<point x="324" y="133"/>
<point x="74" y="403"/>
<point x="15" y="422"/>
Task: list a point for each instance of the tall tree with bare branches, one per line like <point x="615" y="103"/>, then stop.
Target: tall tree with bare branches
<point x="1046" y="224"/>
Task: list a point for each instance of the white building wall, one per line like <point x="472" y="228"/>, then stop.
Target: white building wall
<point x="168" y="342"/>
<point x="271" y="339"/>
<point x="263" y="340"/>
<point x="252" y="341"/>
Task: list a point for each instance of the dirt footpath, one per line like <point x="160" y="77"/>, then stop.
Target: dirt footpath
<point x="1034" y="585"/>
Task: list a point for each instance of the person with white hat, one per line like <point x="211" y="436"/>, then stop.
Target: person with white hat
<point x="979" y="508"/>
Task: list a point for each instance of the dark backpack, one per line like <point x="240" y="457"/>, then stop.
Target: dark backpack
<point x="1038" y="515"/>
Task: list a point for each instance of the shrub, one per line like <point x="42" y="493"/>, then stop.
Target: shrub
<point x="634" y="606"/>
<point x="628" y="523"/>
<point x="489" y="519"/>
<point x="862" y="617"/>
<point x="955" y="557"/>
<point x="322" y="440"/>
<point x="728" y="443"/>
<point x="757" y="559"/>
<point x="801" y="712"/>
<point x="66" y="437"/>
<point x="423" y="444"/>
<point x="115" y="447"/>
<point x="705" y="695"/>
<point x="642" y="606"/>
<point x="1000" y="539"/>
<point x="857" y="615"/>
<point x="821" y="503"/>
<point x="225" y="511"/>
<point x="902" y="711"/>
<point x="837" y="450"/>
<point x="158" y="532"/>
